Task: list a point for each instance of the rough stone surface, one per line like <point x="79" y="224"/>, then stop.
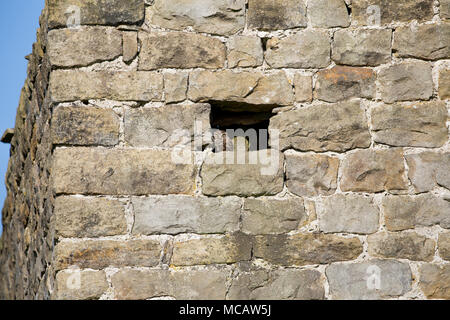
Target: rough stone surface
<point x="406" y="245"/>
<point x="181" y="284"/>
<point x="167" y="126"/>
<point x="348" y="214"/>
<point x="362" y="47"/>
<point x="175" y="86"/>
<point x="429" y="42"/>
<point x="350" y="281"/>
<point x="248" y="87"/>
<point x="132" y="172"/>
<point x="245" y="51"/>
<point x="305" y="249"/>
<point x="444" y="245"/>
<point x="328" y="13"/>
<point x="323" y="127"/>
<point x="416" y="125"/>
<point x="83" y="46"/>
<point x="103" y="12"/>
<point x="314" y="46"/>
<point x="276" y="15"/>
<point x="435" y="281"/>
<point x="85" y="126"/>
<point x="80" y="285"/>
<point x="204" y="251"/>
<point x="303" y="88"/>
<point x="444" y="84"/>
<point x="373" y="171"/>
<point x="267" y="216"/>
<point x="100" y="254"/>
<point x="178" y="214"/>
<point x="444" y="9"/>
<point x="130" y="46"/>
<point x="391" y="11"/>
<point x="406" y="81"/>
<point x="341" y="83"/>
<point x="277" y="285"/>
<point x="89" y="217"/>
<point x="72" y="85"/>
<point x="311" y="175"/>
<point x="428" y="170"/>
<point x="220" y="17"/>
<point x="180" y="50"/>
<point x="261" y="178"/>
<point x="406" y="212"/>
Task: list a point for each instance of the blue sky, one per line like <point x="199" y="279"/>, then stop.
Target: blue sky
<point x="19" y="20"/>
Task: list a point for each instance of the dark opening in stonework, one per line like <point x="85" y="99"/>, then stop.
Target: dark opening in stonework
<point x="233" y="122"/>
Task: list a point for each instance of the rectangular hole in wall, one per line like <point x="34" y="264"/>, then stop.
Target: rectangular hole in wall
<point x="240" y="124"/>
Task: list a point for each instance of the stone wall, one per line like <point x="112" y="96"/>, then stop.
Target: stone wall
<point x="118" y="188"/>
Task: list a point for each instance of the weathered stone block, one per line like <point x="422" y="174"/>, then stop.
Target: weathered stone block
<point x="375" y="12"/>
<point x="130" y="46"/>
<point x="304" y="50"/>
<point x="350" y="281"/>
<point x="444" y="84"/>
<point x="276" y="15"/>
<point x="287" y="284"/>
<point x="444" y="245"/>
<point x="303" y="88"/>
<point x="418" y="125"/>
<point x="175" y="86"/>
<point x="428" y="170"/>
<point x="264" y="177"/>
<point x="428" y="41"/>
<point x="85" y="126"/>
<point x="272" y="216"/>
<point x="131" y="284"/>
<point x="323" y="127"/>
<point x="305" y="249"/>
<point x="212" y="250"/>
<point x="405" y="245"/>
<point x="406" y="81"/>
<point x="72" y="85"/>
<point x="178" y="214"/>
<point x="348" y="214"/>
<point x="444" y="9"/>
<point x="76" y="217"/>
<point x="328" y="13"/>
<point x="83" y="46"/>
<point x="245" y="51"/>
<point x="341" y="83"/>
<point x="311" y="175"/>
<point x="220" y="17"/>
<point x="168" y="126"/>
<point x="180" y="50"/>
<point x="373" y="171"/>
<point x="80" y="285"/>
<point x="248" y="87"/>
<point x="62" y="13"/>
<point x="120" y="172"/>
<point x="362" y="47"/>
<point x="435" y="281"/>
<point x="100" y="254"/>
<point x="406" y="212"/>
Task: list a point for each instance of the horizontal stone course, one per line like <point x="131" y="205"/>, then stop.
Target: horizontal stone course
<point x="76" y="217"/>
<point x="72" y="85"/>
<point x="83" y="46"/>
<point x="85" y="126"/>
<point x="100" y="254"/>
<point x="180" y="214"/>
<point x="120" y="172"/>
<point x="180" y="50"/>
<point x="416" y="125"/>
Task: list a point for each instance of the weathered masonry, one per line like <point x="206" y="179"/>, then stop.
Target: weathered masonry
<point x="130" y="179"/>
